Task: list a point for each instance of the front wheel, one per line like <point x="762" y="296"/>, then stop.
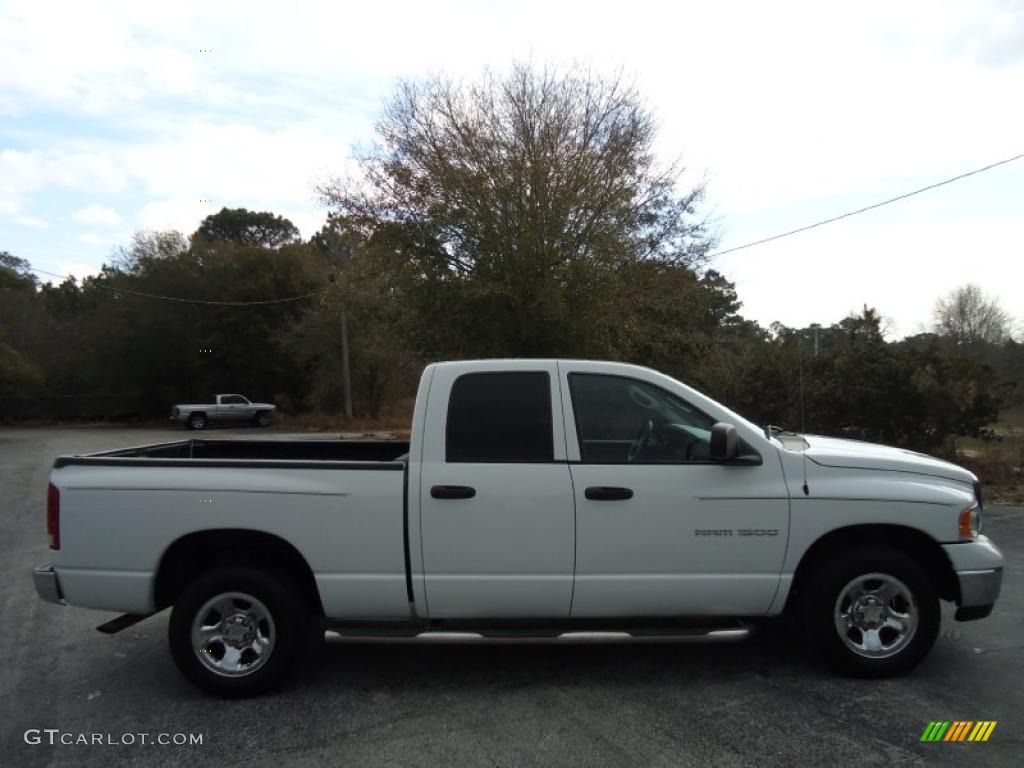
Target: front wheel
<point x="872" y="611"/>
<point x="236" y="631"/>
<point x="263" y="419"/>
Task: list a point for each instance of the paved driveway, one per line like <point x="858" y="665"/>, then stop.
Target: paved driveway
<point x="754" y="703"/>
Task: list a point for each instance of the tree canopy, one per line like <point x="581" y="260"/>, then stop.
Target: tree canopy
<point x="520" y="202"/>
<point x="257" y="229"/>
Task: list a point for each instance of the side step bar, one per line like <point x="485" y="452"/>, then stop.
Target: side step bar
<point x="123" y="621"/>
<point x="709" y="635"/>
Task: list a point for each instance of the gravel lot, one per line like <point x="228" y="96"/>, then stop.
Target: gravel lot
<point x="753" y="703"/>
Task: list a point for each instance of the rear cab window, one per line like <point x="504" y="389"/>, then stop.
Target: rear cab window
<point x="500" y="417"/>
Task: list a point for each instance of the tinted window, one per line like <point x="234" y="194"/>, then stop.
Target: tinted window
<point x="500" y="417"/>
<point x="621" y="420"/>
<point x="233" y="400"/>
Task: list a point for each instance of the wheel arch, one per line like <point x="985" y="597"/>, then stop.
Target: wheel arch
<point x="200" y="551"/>
<point x="912" y="541"/>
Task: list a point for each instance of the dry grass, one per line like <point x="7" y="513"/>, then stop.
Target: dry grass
<point x="394" y="420"/>
<point x="998" y="462"/>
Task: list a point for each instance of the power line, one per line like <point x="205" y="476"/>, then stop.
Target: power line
<point x="188" y="301"/>
<point x="869" y="207"/>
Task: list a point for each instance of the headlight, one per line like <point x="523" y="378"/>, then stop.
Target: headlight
<point x="970" y="522"/>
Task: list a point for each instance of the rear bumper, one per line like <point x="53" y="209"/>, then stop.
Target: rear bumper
<point x="47" y="584"/>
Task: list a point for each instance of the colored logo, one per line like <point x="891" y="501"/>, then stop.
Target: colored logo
<point x="959" y="730"/>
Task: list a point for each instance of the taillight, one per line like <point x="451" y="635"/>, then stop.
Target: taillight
<point x="53" y="515"/>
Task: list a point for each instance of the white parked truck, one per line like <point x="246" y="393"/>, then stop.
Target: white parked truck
<point x="536" y="499"/>
<point x="223" y="408"/>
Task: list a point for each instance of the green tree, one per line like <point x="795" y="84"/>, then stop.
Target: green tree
<point x="18" y="376"/>
<point x="16" y="273"/>
<point x="151" y="347"/>
<point x="861" y="386"/>
<point x="243" y="227"/>
<point x="372" y="285"/>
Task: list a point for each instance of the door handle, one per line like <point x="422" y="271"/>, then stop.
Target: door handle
<point x="607" y="493"/>
<point x="452" y="492"/>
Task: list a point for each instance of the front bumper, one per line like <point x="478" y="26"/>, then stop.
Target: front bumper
<point x="978" y="593"/>
<point x="979" y="572"/>
<point x="47" y="584"/>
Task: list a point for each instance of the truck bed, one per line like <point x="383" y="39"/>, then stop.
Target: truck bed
<point x="309" y="494"/>
<point x="363" y="453"/>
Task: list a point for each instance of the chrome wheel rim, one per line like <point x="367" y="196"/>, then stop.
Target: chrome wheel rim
<point x="876" y="615"/>
<point x="233" y="634"/>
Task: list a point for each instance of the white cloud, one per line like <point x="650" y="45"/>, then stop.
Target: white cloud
<point x="795" y="110"/>
<point x="91" y="238"/>
<point x="77" y="269"/>
<point x="31" y="222"/>
<point x="24" y="173"/>
<point x="179" y="213"/>
<point x="97" y="214"/>
<point x="234" y="166"/>
<point x="11" y="210"/>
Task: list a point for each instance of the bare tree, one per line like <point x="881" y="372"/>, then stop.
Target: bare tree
<point x="529" y="194"/>
<point x="536" y="166"/>
<point x="968" y="316"/>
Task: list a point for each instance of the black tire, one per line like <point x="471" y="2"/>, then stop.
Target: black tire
<point x="289" y="629"/>
<point x="891" y="655"/>
<point x="197" y="421"/>
<point x="263" y="419"/>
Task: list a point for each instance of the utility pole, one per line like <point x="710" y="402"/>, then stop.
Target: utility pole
<point x="346" y="378"/>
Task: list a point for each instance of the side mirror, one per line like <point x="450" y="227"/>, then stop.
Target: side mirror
<point x="725" y="443"/>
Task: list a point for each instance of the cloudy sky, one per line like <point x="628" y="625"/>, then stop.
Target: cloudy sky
<point x="119" y="116"/>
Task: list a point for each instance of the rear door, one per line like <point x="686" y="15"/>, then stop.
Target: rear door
<point x="496" y="502"/>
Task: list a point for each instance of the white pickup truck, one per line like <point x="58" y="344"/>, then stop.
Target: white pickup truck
<point x="223" y="408"/>
<point x="537" y="499"/>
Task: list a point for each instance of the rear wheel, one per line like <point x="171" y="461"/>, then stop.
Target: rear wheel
<point x="197" y="421"/>
<point x="872" y="611"/>
<point x="236" y="631"/>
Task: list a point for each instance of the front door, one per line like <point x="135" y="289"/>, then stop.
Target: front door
<point x="497" y="518"/>
<point x="661" y="529"/>
<point x="236" y="408"/>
